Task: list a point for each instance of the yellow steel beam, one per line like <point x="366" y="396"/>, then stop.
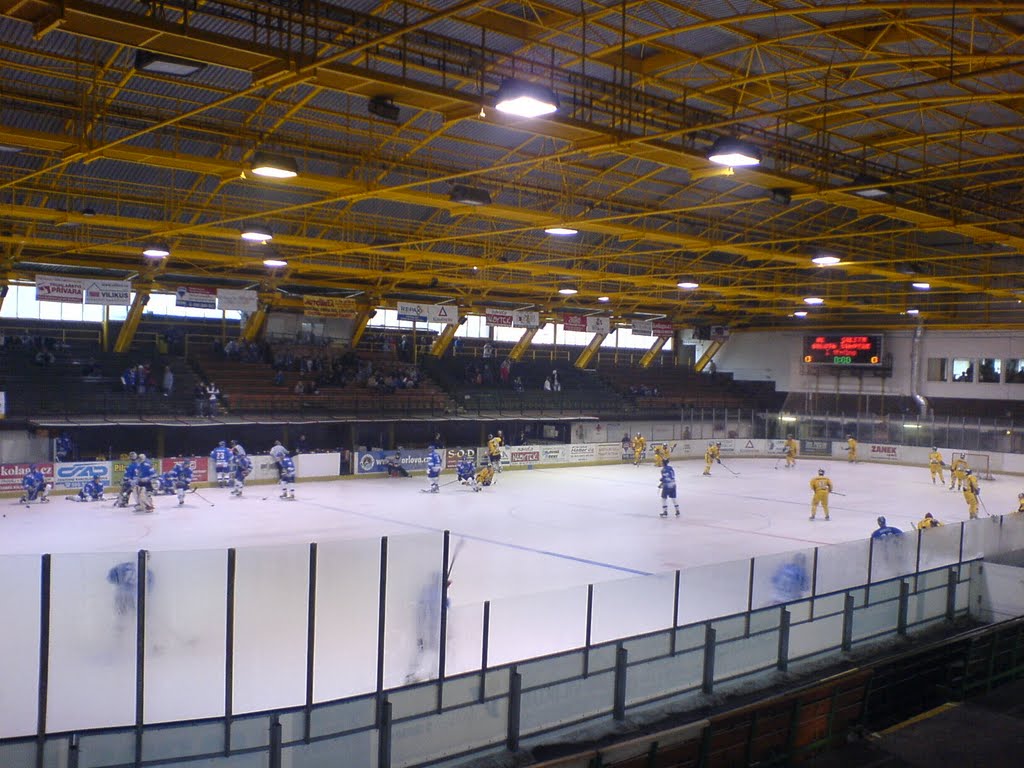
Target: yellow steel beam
<point x="590" y="350"/>
<point x="443" y="340"/>
<point x="652" y="354"/>
<point x="706" y="358"/>
<point x="254" y="323"/>
<point x="522" y="345"/>
<point x="131" y="323"/>
<point x="359" y="325"/>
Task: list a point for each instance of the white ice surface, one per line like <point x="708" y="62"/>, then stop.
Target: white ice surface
<point x="534" y="531"/>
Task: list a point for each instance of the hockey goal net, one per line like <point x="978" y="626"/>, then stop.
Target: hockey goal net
<point x="979" y="463"/>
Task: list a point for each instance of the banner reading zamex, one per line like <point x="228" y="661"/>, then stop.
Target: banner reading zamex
<point x="115" y="293"/>
<point x="428" y="313"/>
<point x="67" y="290"/>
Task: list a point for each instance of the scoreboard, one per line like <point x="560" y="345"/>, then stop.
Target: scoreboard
<point x="843" y="350"/>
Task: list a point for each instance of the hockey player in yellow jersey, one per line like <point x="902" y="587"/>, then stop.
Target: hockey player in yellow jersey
<point x="822" y="487"/>
<point x="661" y="452"/>
<point x="1020" y="503"/>
<point x="484" y="477"/>
<point x="791" y="449"/>
<point x="494" y="450"/>
<point x="935" y="465"/>
<point x="711" y="455"/>
<point x="957" y="472"/>
<point x="639" y="446"/>
<point x="972" y="490"/>
<point x="928" y="521"/>
<point x="851" y="448"/>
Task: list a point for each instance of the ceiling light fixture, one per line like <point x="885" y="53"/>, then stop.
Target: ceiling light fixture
<point x="274" y="263"/>
<point x="568" y="290"/>
<point x="274" y="166"/>
<point x="564" y="231"/>
<point x="800" y="313"/>
<point x="780" y="196"/>
<point x="161" y="64"/>
<point x="826" y="261"/>
<point x="913" y="311"/>
<point x="921" y="286"/>
<point x="872" y="186"/>
<point x="469" y="195"/>
<point x="524" y="99"/>
<point x="10" y="148"/>
<point x="688" y="285"/>
<point x="156" y="251"/>
<point x="257" y="233"/>
<point x="814" y="300"/>
<point x="734" y="153"/>
<point x="383" y="107"/>
<point x="604" y="299"/>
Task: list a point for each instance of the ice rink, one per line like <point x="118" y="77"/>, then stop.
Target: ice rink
<point x="534" y="530"/>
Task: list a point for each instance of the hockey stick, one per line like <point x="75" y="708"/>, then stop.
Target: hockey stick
<point x="837" y="493"/>
<point x="197" y="493"/>
<point x="726" y="466"/>
<point x="451" y="560"/>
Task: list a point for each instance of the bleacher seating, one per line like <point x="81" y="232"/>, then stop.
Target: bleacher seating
<point x="664" y="388"/>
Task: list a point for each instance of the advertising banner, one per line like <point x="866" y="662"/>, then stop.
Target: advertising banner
<point x="597" y="324"/>
<point x="500" y="318"/>
<point x="581" y="452"/>
<point x="642" y="328"/>
<point x="807" y="447"/>
<point x="3" y="404"/>
<point x="452" y="456"/>
<point x="329" y="306"/>
<point x="376" y="461"/>
<point x="242" y="301"/>
<point x="663" y="329"/>
<point x="75" y="474"/>
<point x="523" y="454"/>
<point x="576" y="323"/>
<point x="609" y="452"/>
<point x="67" y="290"/>
<point x="196" y="297"/>
<point x="525" y="319"/>
<point x="509" y="318"/>
<point x="428" y="313"/>
<point x="114" y="293"/>
<point x="11" y="474"/>
<point x="200" y="466"/>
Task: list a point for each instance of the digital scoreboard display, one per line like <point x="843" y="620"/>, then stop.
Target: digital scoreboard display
<point x="843" y="350"/>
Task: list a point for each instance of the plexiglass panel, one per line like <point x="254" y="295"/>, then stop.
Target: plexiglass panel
<point x="526" y="626"/>
<point x="713" y="590"/>
<point x="465" y="638"/>
<point x="628" y="607"/>
<point x="19" y="644"/>
<point x="842" y="566"/>
<point x="92" y="640"/>
<point x="413" y="608"/>
<point x="271" y="600"/>
<point x="940" y="546"/>
<point x="782" y="577"/>
<point x="894" y="556"/>
<point x="981" y="537"/>
<point x="347" y="603"/>
<point x="185" y="631"/>
<point x="1013" y="533"/>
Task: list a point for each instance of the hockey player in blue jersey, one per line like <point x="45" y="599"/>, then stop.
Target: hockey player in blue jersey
<point x="790" y="580"/>
<point x="465" y="471"/>
<point x="241" y="467"/>
<point x="667" y="484"/>
<point x="35" y="486"/>
<point x="884" y="531"/>
<point x="181" y="476"/>
<point x="91" y="491"/>
<point x="220" y="457"/>
<point x="433" y="471"/>
<point x="131" y="473"/>
<point x="287" y="468"/>
<point x="165" y="484"/>
<point x="124" y="577"/>
<point x="144" y="485"/>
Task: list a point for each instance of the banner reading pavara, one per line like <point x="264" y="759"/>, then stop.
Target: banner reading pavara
<point x="67" y="290"/>
<point x="428" y="313"/>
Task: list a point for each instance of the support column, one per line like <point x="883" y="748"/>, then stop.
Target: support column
<point x="4" y="290"/>
<point x="709" y="353"/>
<point x="590" y="350"/>
<point x="131" y="323"/>
<point x="443" y="341"/>
<point x="359" y="325"/>
<point x="254" y="323"/>
<point x="652" y="353"/>
<point x="522" y="345"/>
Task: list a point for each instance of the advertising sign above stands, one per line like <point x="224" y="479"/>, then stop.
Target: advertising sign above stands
<point x="512" y="318"/>
<point x="329" y="306"/>
<point x="242" y="301"/>
<point x="428" y="313"/>
<point x="195" y="297"/>
<point x="67" y="290"/>
<point x="583" y="324"/>
<point x="661" y="328"/>
<point x="113" y="293"/>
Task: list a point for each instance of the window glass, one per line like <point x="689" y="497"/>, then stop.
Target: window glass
<point x="937" y="368"/>
<point x="989" y="370"/>
<point x="1014" y="371"/>
<point x="963" y="369"/>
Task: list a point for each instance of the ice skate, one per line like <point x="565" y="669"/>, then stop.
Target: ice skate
<point x="664" y="513"/>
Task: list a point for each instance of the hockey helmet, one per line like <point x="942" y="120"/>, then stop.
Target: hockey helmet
<point x="133" y="455"/>
<point x="849" y="437"/>
<point x="928" y="516"/>
<point x="968" y="472"/>
<point x="1020" y="495"/>
<point x="719" y="443"/>
<point x="234" y="443"/>
<point x="222" y="444"/>
<point x="789" y="436"/>
<point x="881" y="522"/>
<point x="821" y="472"/>
<point x="32" y="467"/>
<point x="490" y="437"/>
<point x="277" y="442"/>
<point x="142" y="457"/>
<point x="963" y="455"/>
<point x="665" y="462"/>
<point x="935" y="447"/>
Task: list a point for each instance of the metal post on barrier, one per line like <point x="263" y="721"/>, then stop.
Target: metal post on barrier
<point x="485" y="636"/>
<point x="783" y="660"/>
<point x="619" y="703"/>
<point x="384" y="733"/>
<point x="708" y="682"/>
<point x="675" y="616"/>
<point x="73" y="750"/>
<point x="952" y="577"/>
<point x="587" y="635"/>
<point x="274" y="752"/>
<point x="904" y="605"/>
<point x="515" y="699"/>
<point x="847" y="643"/>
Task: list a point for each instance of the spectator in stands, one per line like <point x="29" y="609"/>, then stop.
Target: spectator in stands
<point x="300" y="387"/>
<point x="279" y="378"/>
<point x="505" y="371"/>
<point x="488" y="352"/>
<point x="404" y="348"/>
<point x="128" y="379"/>
<point x="213" y="399"/>
<point x="231" y="350"/>
<point x="556" y="385"/>
<point x="547" y="384"/>
<point x="168" y="383"/>
<point x="456" y="347"/>
<point x="45" y="357"/>
<point x="301" y="446"/>
<point x="518" y="385"/>
<point x="199" y="394"/>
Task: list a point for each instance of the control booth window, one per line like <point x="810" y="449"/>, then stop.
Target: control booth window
<point x="1014" y="371"/>
<point x="989" y="370"/>
<point x="937" y="368"/>
<point x="963" y="369"/>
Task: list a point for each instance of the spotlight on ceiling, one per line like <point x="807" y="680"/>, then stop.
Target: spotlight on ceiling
<point x="604" y="299"/>
<point x="688" y="285"/>
<point x="156" y="251"/>
<point x="161" y="64"/>
<point x="921" y="286"/>
<point x="872" y="186"/>
<point x="274" y="263"/>
<point x="780" y="196"/>
<point x="800" y="313"/>
<point x="523" y="99"/>
<point x="734" y="152"/>
<point x="814" y="300"/>
<point x="568" y="290"/>
<point x="274" y="166"/>
<point x="10" y="148"/>
<point x="470" y="195"/>
<point x="383" y="107"/>
<point x="913" y="311"/>
<point x="826" y="261"/>
<point x="564" y="231"/>
<point x="257" y="233"/>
